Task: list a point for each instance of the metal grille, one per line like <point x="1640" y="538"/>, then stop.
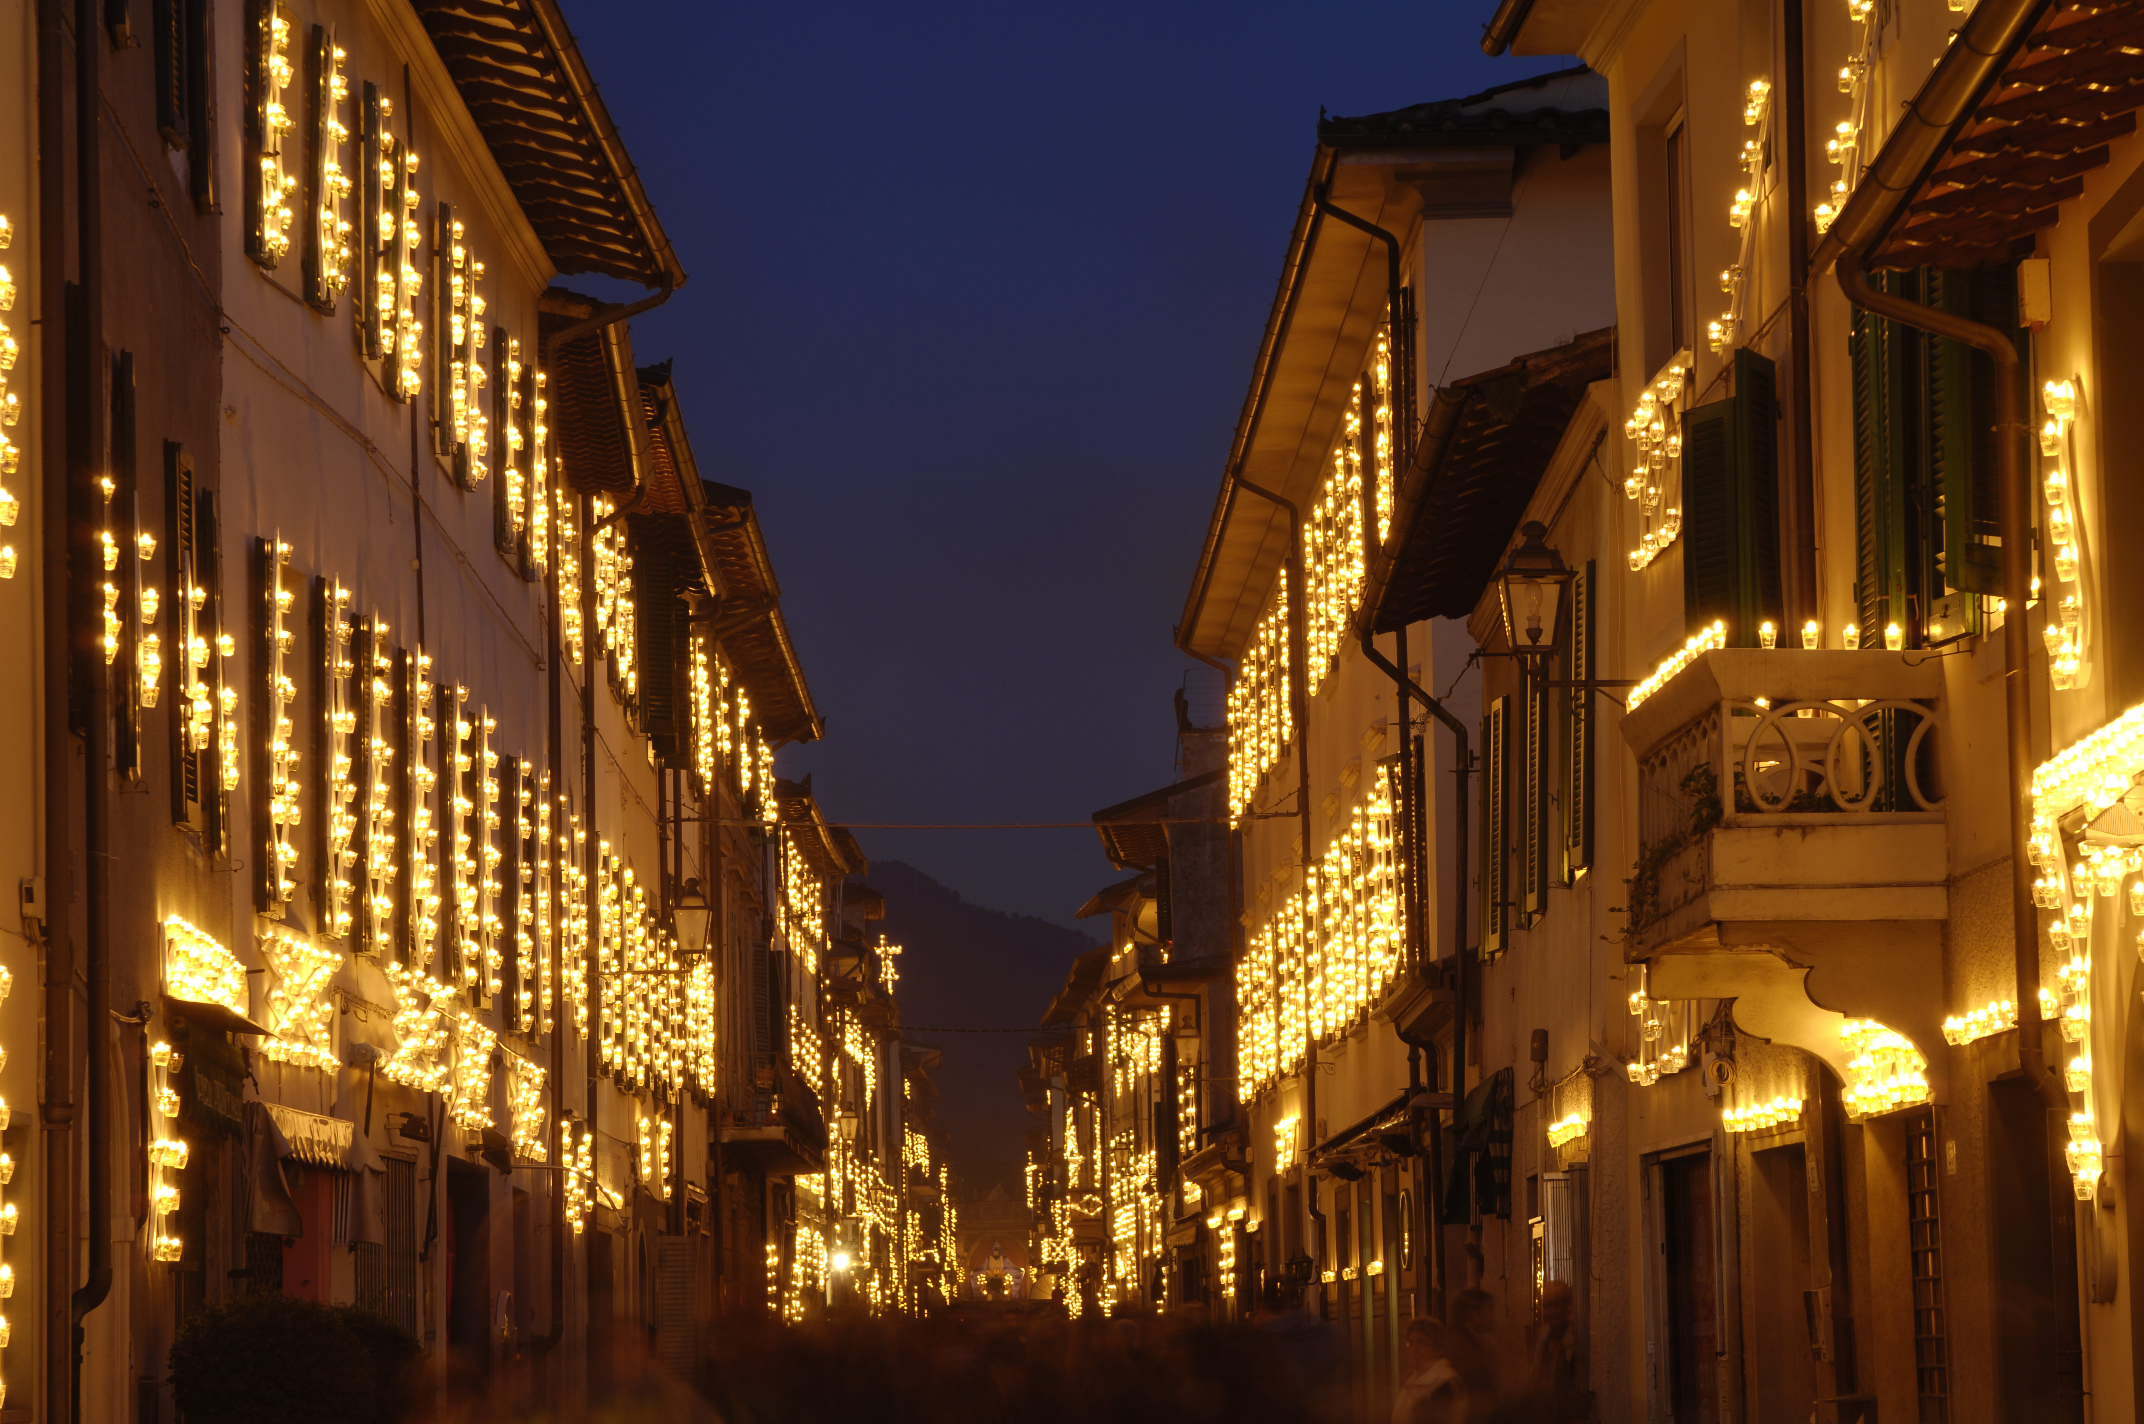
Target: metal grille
<point x="264" y="1264"/>
<point x="1924" y="1223"/>
<point x="387" y="1274"/>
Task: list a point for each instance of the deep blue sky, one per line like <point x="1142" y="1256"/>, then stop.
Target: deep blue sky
<point x="974" y="294"/>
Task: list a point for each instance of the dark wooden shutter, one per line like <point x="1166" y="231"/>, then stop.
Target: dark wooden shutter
<point x="1578" y="769"/>
<point x="440" y="387"/>
<point x="209" y="534"/>
<point x="181" y="528"/>
<point x="123" y="518"/>
<point x="319" y="84"/>
<point x="200" y="62"/>
<point x="1534" y="800"/>
<point x="664" y="568"/>
<point x="513" y="847"/>
<point x="511" y="543"/>
<point x="1730" y="524"/>
<point x="253" y="128"/>
<point x="1495" y="889"/>
<point x="372" y="151"/>
<point x="320" y="810"/>
<point x="675" y="1337"/>
<point x="448" y="787"/>
<point x="168" y="45"/>
<point x="260" y="712"/>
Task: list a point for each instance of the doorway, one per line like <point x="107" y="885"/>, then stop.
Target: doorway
<point x="1782" y="1370"/>
<point x="1685" y="1306"/>
<point x="469" y="1265"/>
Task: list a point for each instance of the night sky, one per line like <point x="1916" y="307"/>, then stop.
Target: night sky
<point x="974" y="295"/>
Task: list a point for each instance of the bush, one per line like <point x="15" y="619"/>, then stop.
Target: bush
<point x="274" y="1360"/>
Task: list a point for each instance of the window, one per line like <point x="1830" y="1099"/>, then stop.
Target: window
<point x="1730" y="486"/>
<point x="204" y="732"/>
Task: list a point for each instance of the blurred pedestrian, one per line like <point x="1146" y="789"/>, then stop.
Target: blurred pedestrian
<point x="1431" y="1391"/>
<point x="1474" y="1345"/>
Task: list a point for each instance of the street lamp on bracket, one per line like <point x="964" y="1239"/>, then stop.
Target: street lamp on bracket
<point x="693" y="918"/>
<point x="1533" y="595"/>
<point x="1532" y="590"/>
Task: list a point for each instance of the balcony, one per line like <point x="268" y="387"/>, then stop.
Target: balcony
<point x="1791" y="827"/>
<point x="779" y="1128"/>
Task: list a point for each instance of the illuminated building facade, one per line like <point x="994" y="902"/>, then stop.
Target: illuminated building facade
<point x="1767" y="980"/>
<point x="1851" y="1014"/>
<point x="431" y="700"/>
<point x="1450" y="238"/>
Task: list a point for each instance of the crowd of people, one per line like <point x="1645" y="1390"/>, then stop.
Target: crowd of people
<point x="1027" y="1362"/>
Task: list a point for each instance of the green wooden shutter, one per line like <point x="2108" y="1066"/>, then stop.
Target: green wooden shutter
<point x="1730" y="519"/>
<point x="1879" y="473"/>
<point x="1578" y="766"/>
<point x="1708" y="543"/>
<point x="1495" y="890"/>
<point x="1756" y="436"/>
<point x="1961" y="449"/>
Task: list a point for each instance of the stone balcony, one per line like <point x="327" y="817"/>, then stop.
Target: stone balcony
<point x="1791" y="828"/>
<point x="779" y="1128"/>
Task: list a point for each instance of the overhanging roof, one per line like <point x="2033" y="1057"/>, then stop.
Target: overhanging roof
<point x="1330" y="300"/>
<point x="1123" y="895"/>
<point x="1080" y="985"/>
<point x="1135" y="832"/>
<point x="826" y="847"/>
<point x="2045" y="121"/>
<point x="1485" y="445"/>
<point x="1504" y="115"/>
<point x="734" y="561"/>
<point x="748" y="615"/>
<point x="523" y="78"/>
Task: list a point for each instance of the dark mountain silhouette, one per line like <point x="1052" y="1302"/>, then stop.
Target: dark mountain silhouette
<point x="965" y="965"/>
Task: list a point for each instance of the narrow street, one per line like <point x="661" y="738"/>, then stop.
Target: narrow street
<point x="1346" y="711"/>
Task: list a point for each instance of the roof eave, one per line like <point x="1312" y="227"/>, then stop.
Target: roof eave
<point x="668" y="271"/>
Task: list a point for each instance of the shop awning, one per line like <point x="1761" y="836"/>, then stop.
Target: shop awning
<point x="314" y="1138"/>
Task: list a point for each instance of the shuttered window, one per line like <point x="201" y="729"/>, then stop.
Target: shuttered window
<point x="126" y="624"/>
<point x="1495" y="886"/>
<point x="195" y="664"/>
<point x="1731" y="504"/>
<point x="1578" y="748"/>
<point x="1533" y="800"/>
<point x="1924" y="497"/>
